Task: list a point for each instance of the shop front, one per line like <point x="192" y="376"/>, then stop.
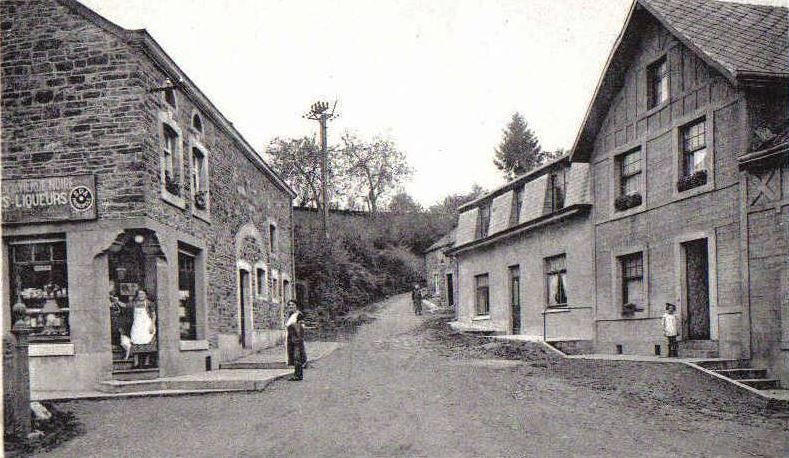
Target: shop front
<point x="105" y="298"/>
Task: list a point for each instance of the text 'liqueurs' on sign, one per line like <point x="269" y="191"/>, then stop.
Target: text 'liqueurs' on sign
<point x="35" y="200"/>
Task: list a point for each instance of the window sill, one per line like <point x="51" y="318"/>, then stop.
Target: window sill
<point x="172" y="199"/>
<point x="193" y="345"/>
<point x="45" y="349"/>
<point x="709" y="186"/>
<point x="480" y="318"/>
<point x="557" y="309"/>
<point x="654" y="109"/>
<point x="617" y="214"/>
<point x="204" y="215"/>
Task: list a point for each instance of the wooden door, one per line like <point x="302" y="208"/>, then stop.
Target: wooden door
<point x="515" y="299"/>
<point x="450" y="291"/>
<point x="244" y="303"/>
<point x="697" y="294"/>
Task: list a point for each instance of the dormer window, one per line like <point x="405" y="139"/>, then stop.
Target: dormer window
<point x="197" y="123"/>
<point x="484" y="220"/>
<point x="557" y="190"/>
<point x="657" y="82"/>
<point x="517" y="204"/>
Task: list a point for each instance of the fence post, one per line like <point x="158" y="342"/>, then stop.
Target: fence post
<point x="20" y="380"/>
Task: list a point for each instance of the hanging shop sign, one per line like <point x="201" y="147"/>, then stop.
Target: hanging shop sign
<point x="39" y="200"/>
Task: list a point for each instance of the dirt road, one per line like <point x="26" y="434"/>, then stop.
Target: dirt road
<point x="396" y="390"/>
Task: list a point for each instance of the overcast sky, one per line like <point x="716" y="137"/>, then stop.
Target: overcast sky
<point x="442" y="77"/>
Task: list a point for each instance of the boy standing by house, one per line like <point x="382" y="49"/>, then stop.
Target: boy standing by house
<point x="671" y="329"/>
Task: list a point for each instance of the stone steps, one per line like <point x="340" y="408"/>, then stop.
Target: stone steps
<point x="697" y="349"/>
<point x="135" y="374"/>
<point x="740" y="370"/>
<point x="762" y="383"/>
<point x="743" y="373"/>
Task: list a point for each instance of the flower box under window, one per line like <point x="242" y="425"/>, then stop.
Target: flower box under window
<point x="171" y="184"/>
<point x="201" y="198"/>
<point x="698" y="178"/>
<point x="624" y="202"/>
<point x="630" y="309"/>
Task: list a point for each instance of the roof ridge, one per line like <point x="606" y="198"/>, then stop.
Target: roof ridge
<point x="156" y="53"/>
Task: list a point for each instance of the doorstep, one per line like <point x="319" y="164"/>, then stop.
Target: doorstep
<point x="219" y="381"/>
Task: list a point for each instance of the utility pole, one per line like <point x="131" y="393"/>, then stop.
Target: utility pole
<point x="319" y="112"/>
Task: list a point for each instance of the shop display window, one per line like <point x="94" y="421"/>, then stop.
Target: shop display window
<point x="39" y="279"/>
<point x="186" y="295"/>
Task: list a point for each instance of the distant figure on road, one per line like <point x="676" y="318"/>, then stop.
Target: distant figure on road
<point x="671" y="329"/>
<point x="416" y="297"/>
<point x="297" y="353"/>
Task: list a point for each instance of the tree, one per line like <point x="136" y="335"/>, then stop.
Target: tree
<point x="374" y="169"/>
<point x="449" y="205"/>
<point x="402" y="202"/>
<point x="519" y="150"/>
<point x="298" y="160"/>
<point x="548" y="156"/>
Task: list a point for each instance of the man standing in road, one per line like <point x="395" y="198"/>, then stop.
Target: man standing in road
<point x="297" y="353"/>
<point x="416" y="297"/>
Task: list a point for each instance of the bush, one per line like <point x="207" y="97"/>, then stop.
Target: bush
<point x="361" y="262"/>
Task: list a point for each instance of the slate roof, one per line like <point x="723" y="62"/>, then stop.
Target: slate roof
<point x="744" y="39"/>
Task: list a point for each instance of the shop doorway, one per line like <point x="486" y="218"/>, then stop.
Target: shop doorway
<point x="133" y="320"/>
<point x="697" y="291"/>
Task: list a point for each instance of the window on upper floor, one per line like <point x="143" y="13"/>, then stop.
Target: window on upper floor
<point x="272" y="238"/>
<point x="199" y="178"/>
<point x="170" y="157"/>
<point x="482" y="297"/>
<point x="693" y="146"/>
<point x="629" y="180"/>
<point x="557" y="184"/>
<point x="484" y="220"/>
<point x="556" y="280"/>
<point x="517" y="204"/>
<point x="197" y="123"/>
<point x="169" y="97"/>
<point x="657" y="82"/>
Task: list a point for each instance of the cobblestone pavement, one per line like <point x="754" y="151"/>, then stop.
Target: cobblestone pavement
<point x="402" y="388"/>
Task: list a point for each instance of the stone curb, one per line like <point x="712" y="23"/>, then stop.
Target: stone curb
<point x="240" y="386"/>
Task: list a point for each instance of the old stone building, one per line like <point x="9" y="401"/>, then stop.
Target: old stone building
<point x="524" y="257"/>
<point x="120" y="175"/>
<point x="441" y="271"/>
<point x="685" y="140"/>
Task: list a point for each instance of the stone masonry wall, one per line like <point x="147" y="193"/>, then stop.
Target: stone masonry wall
<point x="77" y="99"/>
<point x="239" y="193"/>
<point x="71" y="95"/>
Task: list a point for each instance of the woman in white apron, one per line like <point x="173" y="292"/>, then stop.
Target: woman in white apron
<point x="143" y="328"/>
